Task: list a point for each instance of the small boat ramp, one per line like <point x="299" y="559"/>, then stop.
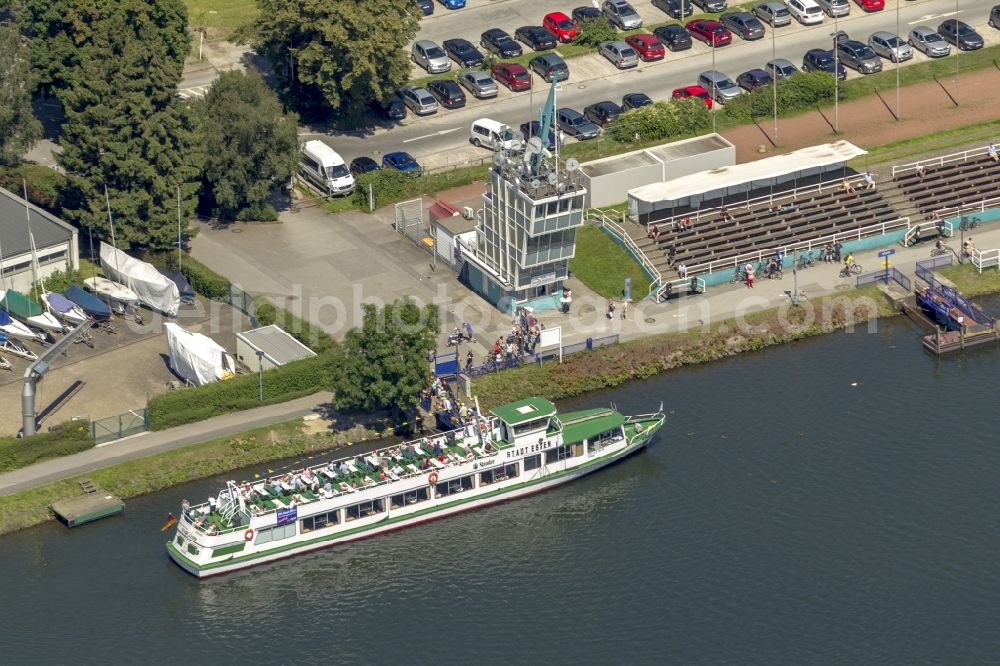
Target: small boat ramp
<point x="94" y="504"/>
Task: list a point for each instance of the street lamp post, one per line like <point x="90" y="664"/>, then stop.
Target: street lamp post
<point x="836" y="76"/>
<point x="260" y="374"/>
<point x="957" y="51"/>
<point x="899" y="46"/>
<point x="715" y="87"/>
<point x="774" y="85"/>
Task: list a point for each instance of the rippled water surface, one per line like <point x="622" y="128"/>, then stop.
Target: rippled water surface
<point x="832" y="501"/>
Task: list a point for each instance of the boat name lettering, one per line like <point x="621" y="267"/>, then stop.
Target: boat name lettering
<point x="524" y="450"/>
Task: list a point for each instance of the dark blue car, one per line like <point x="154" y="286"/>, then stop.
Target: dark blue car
<point x="453" y="4"/>
<point x="531" y="129"/>
<point x="426" y="6"/>
<point x="401" y="161"/>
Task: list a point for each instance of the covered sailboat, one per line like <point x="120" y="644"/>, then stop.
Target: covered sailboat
<point x="12" y="328"/>
<point x="184" y="287"/>
<point x="150" y="286"/>
<point x="89" y="303"/>
<point x="118" y="293"/>
<point x="30" y="312"/>
<point x="64" y="308"/>
<point x="197" y="358"/>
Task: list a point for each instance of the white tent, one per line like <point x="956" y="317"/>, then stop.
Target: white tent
<point x="152" y="288"/>
<point x="197" y="358"/>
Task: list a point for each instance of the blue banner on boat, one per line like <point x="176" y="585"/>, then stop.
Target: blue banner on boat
<point x="287" y="515"/>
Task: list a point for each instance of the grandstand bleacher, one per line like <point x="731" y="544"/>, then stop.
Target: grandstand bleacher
<point x="966" y="177"/>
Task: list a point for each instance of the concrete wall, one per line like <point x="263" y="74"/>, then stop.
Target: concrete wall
<point x="612" y="188"/>
<point x="23" y="279"/>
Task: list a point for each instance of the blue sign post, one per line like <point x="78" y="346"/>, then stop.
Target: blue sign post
<point x="885" y="254"/>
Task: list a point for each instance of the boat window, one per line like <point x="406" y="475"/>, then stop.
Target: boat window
<point x="418" y="495"/>
<point x="501" y="473"/>
<point x="320" y="521"/>
<point x="604" y="439"/>
<point x="269" y="534"/>
<point x="530" y="426"/>
<point x="453" y="486"/>
<point x="558" y="453"/>
<point x="365" y="509"/>
<point x="533" y="462"/>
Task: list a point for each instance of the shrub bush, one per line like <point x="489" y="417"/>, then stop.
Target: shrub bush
<point x="594" y="31"/>
<point x="71" y="437"/>
<point x="264" y="212"/>
<point x="288" y="382"/>
<point x="660" y="121"/>
<point x="388" y="185"/>
<point x="803" y="91"/>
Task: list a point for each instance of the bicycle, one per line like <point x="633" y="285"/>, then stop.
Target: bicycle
<point x="938" y="251"/>
<point x="805" y="261"/>
<point x="738" y="276"/>
<point x="969" y="223"/>
<point x="848" y="271"/>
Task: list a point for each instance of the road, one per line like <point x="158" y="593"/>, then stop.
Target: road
<point x="442" y="139"/>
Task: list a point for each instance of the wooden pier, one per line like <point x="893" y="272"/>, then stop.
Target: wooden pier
<point x="942" y="342"/>
<point x="93" y="505"/>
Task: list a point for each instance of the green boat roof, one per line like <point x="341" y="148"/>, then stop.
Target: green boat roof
<point x="577" y="426"/>
<point x="20" y="305"/>
<point x="525" y="410"/>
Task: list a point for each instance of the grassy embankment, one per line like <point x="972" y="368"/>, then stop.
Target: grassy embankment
<point x="603" y="265"/>
<point x="147" y="475"/>
<point x="969" y="281"/>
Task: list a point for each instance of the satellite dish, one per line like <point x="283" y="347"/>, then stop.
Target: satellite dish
<point x="497" y="159"/>
<point x="553" y="178"/>
<point x="572" y="164"/>
<point x="535" y="184"/>
<point x="534" y="146"/>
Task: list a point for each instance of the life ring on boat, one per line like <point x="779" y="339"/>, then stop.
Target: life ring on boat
<point x="433" y="478"/>
<point x="248" y="535"/>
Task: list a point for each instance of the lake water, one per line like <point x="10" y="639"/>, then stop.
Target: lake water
<point x="830" y="501"/>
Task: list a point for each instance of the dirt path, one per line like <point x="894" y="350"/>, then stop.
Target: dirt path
<point x="926" y="108"/>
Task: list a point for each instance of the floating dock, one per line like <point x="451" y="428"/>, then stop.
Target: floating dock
<point x="93" y="505"/>
<point x="942" y="342"/>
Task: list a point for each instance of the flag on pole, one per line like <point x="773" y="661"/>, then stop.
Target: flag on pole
<point x="171" y="521"/>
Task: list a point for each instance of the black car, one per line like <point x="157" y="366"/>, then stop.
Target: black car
<point x="961" y="35"/>
<point x="392" y="108"/>
<point x="463" y="52"/>
<point x="672" y="8"/>
<point x="711" y="6"/>
<point x="821" y="60"/>
<point x="533" y="128"/>
<point x="360" y="165"/>
<point x="635" y="101"/>
<point x="995" y="17"/>
<point x="536" y="37"/>
<point x="426" y="6"/>
<point x="497" y="41"/>
<point x="753" y="79"/>
<point x="581" y="14"/>
<point x="447" y="93"/>
<point x="744" y="24"/>
<point x="602" y="113"/>
<point x="674" y="36"/>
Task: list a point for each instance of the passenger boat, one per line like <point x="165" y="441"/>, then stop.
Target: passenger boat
<point x="520" y="448"/>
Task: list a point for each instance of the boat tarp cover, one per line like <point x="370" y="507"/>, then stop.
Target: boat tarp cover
<point x="59" y="303"/>
<point x="88" y="302"/>
<point x="184" y="287"/>
<point x="20" y="305"/>
<point x="4" y="318"/>
<point x="152" y="288"/>
<point x="197" y="358"/>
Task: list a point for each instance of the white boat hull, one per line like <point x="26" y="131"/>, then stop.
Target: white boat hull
<point x="118" y="293"/>
<point x="16" y="329"/>
<point x="74" y="316"/>
<point x="46" y="322"/>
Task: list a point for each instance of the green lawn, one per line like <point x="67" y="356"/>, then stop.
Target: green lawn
<point x="222" y="15"/>
<point x="603" y="265"/>
<point x="968" y="280"/>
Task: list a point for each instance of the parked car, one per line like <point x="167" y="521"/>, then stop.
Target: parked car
<point x="620" y="54"/>
<point x="929" y="42"/>
<point x="711" y="32"/>
<point x="463" y="52"/>
<point x="995" y="17"/>
<point x="835" y="8"/>
<point x="392" y="108"/>
<point x="550" y="67"/>
<point x="719" y="86"/>
<point x="889" y="46"/>
<point x="960" y="34"/>
<point x="674" y="36"/>
<point x="692" y="91"/>
<point x="806" y="12"/>
<point x="537" y="37"/>
<point x="621" y="14"/>
<point x="780" y="69"/>
<point x="744" y="24"/>
<point x="588" y="13"/>
<point x="574" y="123"/>
<point x="426" y="6"/>
<point x="493" y="134"/>
<point x="711" y="6"/>
<point x="635" y="101"/>
<point x="478" y="83"/>
<point x="499" y="42"/>
<point x="871" y="5"/>
<point x="821" y="60"/>
<point x="775" y="14"/>
<point x="533" y="128"/>
<point x="360" y="165"/>
<point x="560" y="25"/>
<point x="447" y="93"/>
<point x="858" y="55"/>
<point x="647" y="46"/>
<point x="753" y="79"/>
<point x="453" y="4"/>
<point x="512" y="75"/>
<point x="677" y="9"/>
<point x="418" y="100"/>
<point x="839" y="36"/>
<point x="401" y="161"/>
<point x="430" y="56"/>
<point x="602" y="113"/>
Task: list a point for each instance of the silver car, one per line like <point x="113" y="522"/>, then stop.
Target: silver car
<point x="835" y="8"/>
<point x="929" y="42"/>
<point x="775" y="14"/>
<point x="620" y="54"/>
<point x="780" y="69"/>
<point x="430" y="56"/>
<point x="719" y="86"/>
<point x="889" y="46"/>
<point x="622" y="14"/>
<point x="418" y="100"/>
<point x="479" y="83"/>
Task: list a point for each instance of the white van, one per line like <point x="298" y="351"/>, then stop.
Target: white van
<point x="806" y="11"/>
<point x="491" y="134"/>
<point x="323" y="167"/>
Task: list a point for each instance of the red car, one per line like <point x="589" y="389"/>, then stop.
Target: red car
<point x="693" y="91"/>
<point x="512" y="75"/>
<point x="871" y="5"/>
<point x="647" y="46"/>
<point x="712" y="33"/>
<point x="560" y="25"/>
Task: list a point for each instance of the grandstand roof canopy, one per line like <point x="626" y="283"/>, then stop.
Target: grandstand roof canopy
<point x="771" y="167"/>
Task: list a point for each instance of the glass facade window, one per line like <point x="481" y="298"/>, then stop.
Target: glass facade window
<point x="501" y="473"/>
<point x="278" y="533"/>
<point x="557" y="454"/>
<point x="365" y="509"/>
<point x="412" y="497"/>
<point x="532" y="462"/>
<point x="320" y="521"/>
<point x="454" y="486"/>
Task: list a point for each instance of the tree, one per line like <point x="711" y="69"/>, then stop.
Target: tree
<point x="251" y="145"/>
<point x="19" y="129"/>
<point x="384" y="362"/>
<point x="345" y="52"/>
<point x="594" y="31"/>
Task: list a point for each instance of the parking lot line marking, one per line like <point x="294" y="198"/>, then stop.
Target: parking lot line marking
<point x="428" y="136"/>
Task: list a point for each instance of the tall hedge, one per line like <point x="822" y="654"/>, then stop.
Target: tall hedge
<point x="661" y="120"/>
<point x="797" y="93"/>
<point x="71" y="437"/>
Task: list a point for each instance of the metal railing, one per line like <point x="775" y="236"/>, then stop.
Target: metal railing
<point x="693" y="285"/>
<point x="939" y="161"/>
<point x="985" y="259"/>
<point x="597" y="216"/>
<point x="926" y="267"/>
<point x="978" y="206"/>
<point x="920" y="227"/>
<point x="115" y="427"/>
<point x="871" y="278"/>
<point x="901" y="279"/>
<point x="802" y="246"/>
<point x="490" y="367"/>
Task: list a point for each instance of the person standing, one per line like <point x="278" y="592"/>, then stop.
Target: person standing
<point x="750" y="276"/>
<point x="624" y="309"/>
<point x="611" y="309"/>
